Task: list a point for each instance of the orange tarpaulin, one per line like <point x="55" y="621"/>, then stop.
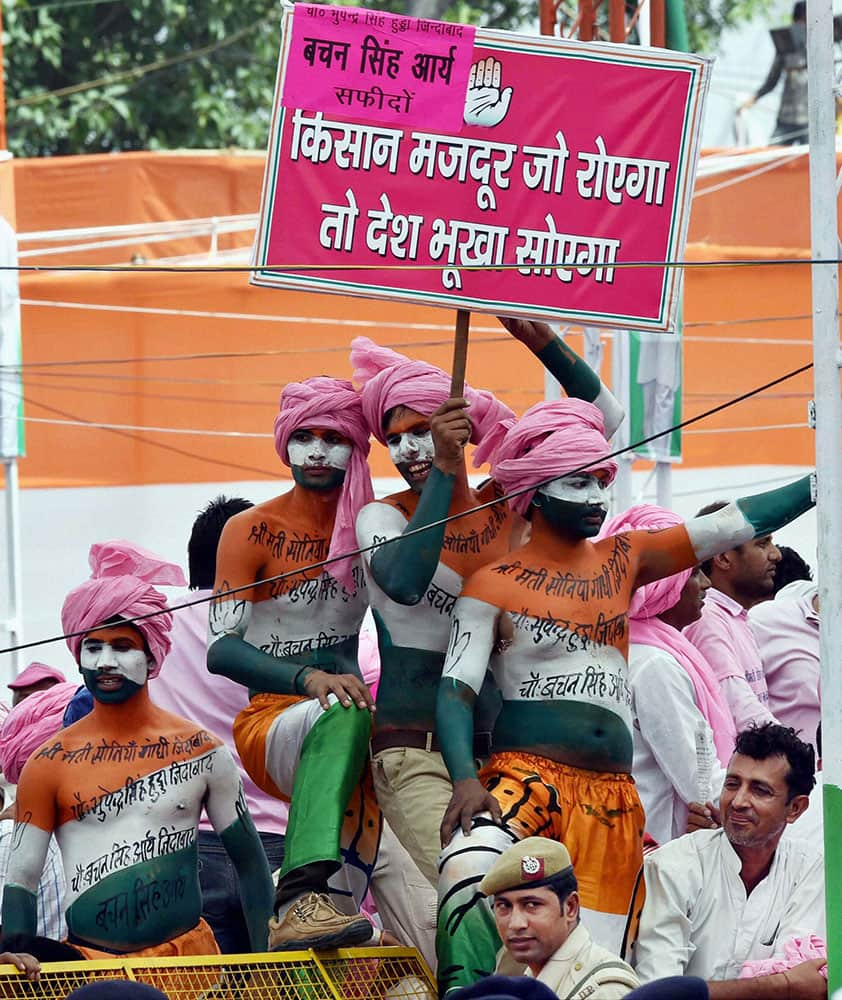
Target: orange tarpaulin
<point x="743" y="327"/>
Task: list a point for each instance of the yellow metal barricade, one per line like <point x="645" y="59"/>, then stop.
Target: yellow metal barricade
<point x="347" y="974"/>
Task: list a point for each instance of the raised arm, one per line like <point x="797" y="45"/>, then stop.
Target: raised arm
<point x="576" y="378"/>
<point x="227" y="810"/>
<point x="666" y="552"/>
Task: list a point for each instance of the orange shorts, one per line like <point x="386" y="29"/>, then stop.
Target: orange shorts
<point x="199" y="940"/>
<point x="597" y="815"/>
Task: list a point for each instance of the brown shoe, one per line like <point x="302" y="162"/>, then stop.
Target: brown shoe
<point x="314" y="922"/>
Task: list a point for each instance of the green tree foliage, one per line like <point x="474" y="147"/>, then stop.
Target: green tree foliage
<point x="167" y="73"/>
<point x="97" y="75"/>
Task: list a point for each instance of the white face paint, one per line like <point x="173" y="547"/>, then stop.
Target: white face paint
<point x="312" y="451"/>
<point x="582" y="488"/>
<point x="116" y="658"/>
<point x="410" y="447"/>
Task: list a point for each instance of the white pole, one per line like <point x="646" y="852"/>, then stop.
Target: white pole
<point x="826" y="363"/>
<point x="620" y="387"/>
<point x="12" y="665"/>
<point x="663" y="483"/>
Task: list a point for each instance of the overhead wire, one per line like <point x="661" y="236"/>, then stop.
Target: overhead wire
<point x="360" y="550"/>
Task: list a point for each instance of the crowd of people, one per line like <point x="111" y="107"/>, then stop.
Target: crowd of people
<point x="456" y="717"/>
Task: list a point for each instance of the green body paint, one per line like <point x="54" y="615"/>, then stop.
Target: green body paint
<point x="404" y="568"/>
<point x="237" y="659"/>
<point x="409" y="680"/>
<point x="20" y="911"/>
<point x="242" y="843"/>
<point x="766" y="512"/>
<point x="576" y="378"/>
<point x="141" y="906"/>
<point x="455" y="728"/>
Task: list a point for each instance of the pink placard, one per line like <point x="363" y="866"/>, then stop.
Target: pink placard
<point x="375" y="66"/>
<point x="565" y="194"/>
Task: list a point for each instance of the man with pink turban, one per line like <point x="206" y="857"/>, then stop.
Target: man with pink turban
<point x="415" y="580"/>
<point x="562" y="743"/>
<point x="683" y="729"/>
<point x="123" y="788"/>
<point x="292" y="641"/>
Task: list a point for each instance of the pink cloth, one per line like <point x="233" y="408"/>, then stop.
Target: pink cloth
<point x="388" y="379"/>
<point x="29" y="724"/>
<point x="550" y="440"/>
<point x="646" y="629"/>
<point x="187" y="688"/>
<point x="333" y="404"/>
<point x="787" y="634"/>
<point x="121" y="584"/>
<point x="724" y="638"/>
<point x="796" y="951"/>
<point x="368" y="658"/>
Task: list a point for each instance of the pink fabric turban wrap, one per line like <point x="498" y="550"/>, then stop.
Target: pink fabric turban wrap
<point x="550" y="440"/>
<point x="388" y="379"/>
<point x="31" y="723"/>
<point x="333" y="404"/>
<point x="121" y="581"/>
<point x="646" y="629"/>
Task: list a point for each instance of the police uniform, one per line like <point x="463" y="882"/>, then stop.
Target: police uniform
<point x="579" y="969"/>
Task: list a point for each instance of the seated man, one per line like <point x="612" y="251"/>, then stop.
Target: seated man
<point x="562" y="745"/>
<point x="536" y="909"/>
<point x="290" y="634"/>
<point x="718" y="898"/>
<point x="123" y="788"/>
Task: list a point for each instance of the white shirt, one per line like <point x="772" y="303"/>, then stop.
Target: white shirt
<point x="787" y="634"/>
<point x="697" y="920"/>
<point x="664" y="731"/>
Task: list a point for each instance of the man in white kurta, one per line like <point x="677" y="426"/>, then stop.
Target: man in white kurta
<point x="667" y="724"/>
<point x="716" y="898"/>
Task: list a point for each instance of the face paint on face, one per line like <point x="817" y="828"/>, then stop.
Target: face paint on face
<point x="574" y="505"/>
<point x="114" y="663"/>
<point x="318" y="457"/>
<point x="410" y="443"/>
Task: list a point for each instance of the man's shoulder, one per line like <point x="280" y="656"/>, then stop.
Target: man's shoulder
<point x="685" y="853"/>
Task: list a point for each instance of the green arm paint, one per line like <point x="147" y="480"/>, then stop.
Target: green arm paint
<point x="404" y="568"/>
<point x="20" y="915"/>
<point x="570" y="371"/>
<point x="237" y="659"/>
<point x="766" y="512"/>
<point x="242" y="843"/>
<point x="455" y="728"/>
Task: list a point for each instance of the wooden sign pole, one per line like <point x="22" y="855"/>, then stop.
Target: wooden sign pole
<point x="460" y="354"/>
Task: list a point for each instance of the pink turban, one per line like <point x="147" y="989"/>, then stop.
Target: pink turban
<point x="29" y="724"/>
<point x="550" y="440"/>
<point x="388" y="379"/>
<point x="332" y="403"/>
<point x="646" y="629"/>
<point x="120" y="584"/>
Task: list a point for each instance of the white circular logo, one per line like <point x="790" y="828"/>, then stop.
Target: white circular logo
<point x="530" y="865"/>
